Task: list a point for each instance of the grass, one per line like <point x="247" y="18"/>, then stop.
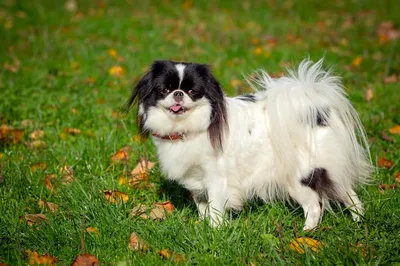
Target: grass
<point x="55" y="74"/>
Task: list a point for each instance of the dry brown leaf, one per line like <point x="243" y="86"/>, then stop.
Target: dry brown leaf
<point x="383" y="187"/>
<point x="387" y="32"/>
<point x="36" y="134"/>
<point x="140" y="210"/>
<point x="138" y="138"/>
<point x="142" y="167"/>
<point x="114" y="196"/>
<point x="167" y="205"/>
<point x="67" y="174"/>
<point x="45" y="204"/>
<point x="48" y="183"/>
<point x="384" y="163"/>
<point x="395" y="130"/>
<point x="397" y="177"/>
<point x="9" y="134"/>
<point x="369" y="94"/>
<point x="72" y="131"/>
<point x="36" y="259"/>
<point x="300" y="243"/>
<point x="39" y="166"/>
<point x="37" y="144"/>
<point x="158" y="213"/>
<point x="93" y="230"/>
<point x="135" y="243"/>
<point x="116" y="71"/>
<point x="85" y="260"/>
<point x="35" y="218"/>
<point x="390" y="79"/>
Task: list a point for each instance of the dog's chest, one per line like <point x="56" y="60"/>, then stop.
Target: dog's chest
<point x="179" y="158"/>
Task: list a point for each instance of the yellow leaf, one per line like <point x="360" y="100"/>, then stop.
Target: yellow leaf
<point x="93" y="230"/>
<point x="116" y="71"/>
<point x="357" y="61"/>
<point x="9" y="134"/>
<point x="395" y="129"/>
<point x="39" y="166"/>
<point x="300" y="243"/>
<point x="114" y="196"/>
<point x="113" y="53"/>
<point x="36" y="259"/>
<point x="258" y="50"/>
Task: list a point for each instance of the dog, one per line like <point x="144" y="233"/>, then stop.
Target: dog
<point x="297" y="137"/>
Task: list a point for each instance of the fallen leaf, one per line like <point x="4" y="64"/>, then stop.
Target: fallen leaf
<point x="167" y="205"/>
<point x="113" y="53"/>
<point x="369" y="94"/>
<point x="36" y="259"/>
<point x="120" y="156"/>
<point x="138" y="138"/>
<point x="157" y="213"/>
<point x="48" y="183"/>
<point x="169" y="255"/>
<point x="135" y="243"/>
<point x="39" y="166"/>
<point x="384" y="163"/>
<point x="35" y="218"/>
<point x="140" y="210"/>
<point x="357" y="61"/>
<point x="395" y="130"/>
<point x="70" y="6"/>
<point x="116" y="71"/>
<point x="72" y="131"/>
<point x="85" y="260"/>
<point x="258" y="50"/>
<point x="299" y="244"/>
<point x="90" y="80"/>
<point x="387" y="32"/>
<point x="390" y="79"/>
<point x="114" y="196"/>
<point x="93" y="230"/>
<point x="386" y="136"/>
<point x="67" y="174"/>
<point x="397" y="177"/>
<point x="383" y="187"/>
<point x="37" y="144"/>
<point x="45" y="204"/>
<point x="236" y="82"/>
<point x="36" y="134"/>
<point x="142" y="168"/>
<point x="9" y="134"/>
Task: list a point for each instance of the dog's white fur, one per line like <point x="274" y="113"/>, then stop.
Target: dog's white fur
<point x="270" y="146"/>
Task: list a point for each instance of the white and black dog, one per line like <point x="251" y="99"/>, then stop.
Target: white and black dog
<point x="296" y="137"/>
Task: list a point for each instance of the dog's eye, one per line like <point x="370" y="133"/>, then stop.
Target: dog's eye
<point x="165" y="91"/>
<point x="190" y="91"/>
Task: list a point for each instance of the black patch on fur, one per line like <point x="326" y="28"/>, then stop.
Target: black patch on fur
<point x="247" y="98"/>
<point x="163" y="79"/>
<point x="319" y="181"/>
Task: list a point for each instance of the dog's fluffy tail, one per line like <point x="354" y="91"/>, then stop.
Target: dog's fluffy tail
<point x="307" y="100"/>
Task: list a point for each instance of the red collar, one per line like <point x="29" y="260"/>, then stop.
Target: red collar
<point x="172" y="136"/>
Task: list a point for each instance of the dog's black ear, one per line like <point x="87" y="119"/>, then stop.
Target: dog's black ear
<point x="139" y="92"/>
<point x="218" y="120"/>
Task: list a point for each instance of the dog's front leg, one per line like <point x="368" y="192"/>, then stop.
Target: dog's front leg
<point x="217" y="201"/>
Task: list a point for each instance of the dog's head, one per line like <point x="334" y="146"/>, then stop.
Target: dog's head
<point x="180" y="97"/>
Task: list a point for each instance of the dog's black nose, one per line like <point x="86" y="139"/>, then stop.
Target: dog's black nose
<point x="178" y="94"/>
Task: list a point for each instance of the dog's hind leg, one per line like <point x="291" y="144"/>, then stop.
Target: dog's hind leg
<point x="309" y="201"/>
<point x="353" y="203"/>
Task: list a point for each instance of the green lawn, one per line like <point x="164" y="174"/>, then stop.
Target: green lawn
<point x="59" y="71"/>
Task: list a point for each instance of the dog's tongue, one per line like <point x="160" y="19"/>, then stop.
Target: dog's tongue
<point x="176" y="108"/>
